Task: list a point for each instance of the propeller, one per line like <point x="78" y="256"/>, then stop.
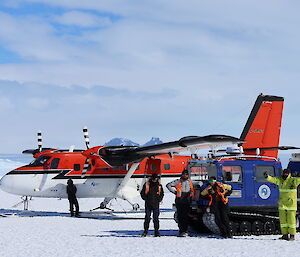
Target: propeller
<point x="87" y="143"/>
<point x="86" y="137"/>
<point x="40" y="140"/>
<point x="39" y="146"/>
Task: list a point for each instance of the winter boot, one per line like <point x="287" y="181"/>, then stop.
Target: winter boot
<point x="157" y="233"/>
<point x="183" y="234"/>
<point x="284" y="237"/>
<point x="292" y="238"/>
<point x="144" y="233"/>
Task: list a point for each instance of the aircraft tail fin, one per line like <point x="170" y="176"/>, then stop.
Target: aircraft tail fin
<point x="262" y="129"/>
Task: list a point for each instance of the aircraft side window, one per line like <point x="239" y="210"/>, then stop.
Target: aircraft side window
<point x="167" y="166"/>
<point x="232" y="173"/>
<point x="153" y="166"/>
<point x="260" y="170"/>
<point x="76" y="167"/>
<point x="54" y="163"/>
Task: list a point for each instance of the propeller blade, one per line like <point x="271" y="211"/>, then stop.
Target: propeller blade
<point x="40" y="140"/>
<point x="86" y="137"/>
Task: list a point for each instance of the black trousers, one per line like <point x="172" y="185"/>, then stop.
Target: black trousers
<point x="73" y="202"/>
<point x="148" y="212"/>
<point x="221" y="211"/>
<point x="182" y="215"/>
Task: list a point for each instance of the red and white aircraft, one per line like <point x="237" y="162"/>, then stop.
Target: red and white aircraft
<point x="103" y="171"/>
<point x="120" y="171"/>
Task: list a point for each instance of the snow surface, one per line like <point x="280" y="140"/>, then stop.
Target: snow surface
<point x="49" y="231"/>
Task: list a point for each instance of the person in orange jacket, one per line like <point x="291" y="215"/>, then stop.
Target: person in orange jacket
<point x="184" y="190"/>
<point x="153" y="194"/>
<point x="218" y="193"/>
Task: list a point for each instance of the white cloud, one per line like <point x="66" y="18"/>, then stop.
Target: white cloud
<point x="217" y="55"/>
<point x="5" y="104"/>
<point x="82" y="19"/>
<point x="33" y="39"/>
<point x="38" y="103"/>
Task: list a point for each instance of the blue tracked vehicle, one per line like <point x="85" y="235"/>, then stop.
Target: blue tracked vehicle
<point x="253" y="202"/>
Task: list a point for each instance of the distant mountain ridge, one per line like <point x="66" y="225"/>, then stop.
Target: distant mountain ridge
<point x="127" y="142"/>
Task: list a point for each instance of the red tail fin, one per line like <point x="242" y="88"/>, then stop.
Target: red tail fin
<point x="262" y="129"/>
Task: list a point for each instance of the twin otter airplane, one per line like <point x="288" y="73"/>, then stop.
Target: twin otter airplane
<point x="120" y="171"/>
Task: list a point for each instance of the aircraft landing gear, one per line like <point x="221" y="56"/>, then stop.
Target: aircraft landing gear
<point x="25" y="202"/>
<point x="136" y="207"/>
<point x="103" y="205"/>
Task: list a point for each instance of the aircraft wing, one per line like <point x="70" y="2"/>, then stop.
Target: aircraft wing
<point x="187" y="143"/>
<point x="120" y="155"/>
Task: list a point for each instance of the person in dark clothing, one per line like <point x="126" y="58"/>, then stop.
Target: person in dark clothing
<point x="152" y="193"/>
<point x="71" y="191"/>
<point x="218" y="194"/>
<point x="184" y="190"/>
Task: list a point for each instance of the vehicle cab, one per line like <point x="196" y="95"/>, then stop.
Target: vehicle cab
<point x="250" y="190"/>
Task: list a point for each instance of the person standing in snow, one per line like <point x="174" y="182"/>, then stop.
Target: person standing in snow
<point x="71" y="191"/>
<point x="287" y="203"/>
<point x="218" y="194"/>
<point x="152" y="193"/>
<point x="184" y="191"/>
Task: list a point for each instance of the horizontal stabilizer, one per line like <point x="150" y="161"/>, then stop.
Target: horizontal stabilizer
<point x="275" y="148"/>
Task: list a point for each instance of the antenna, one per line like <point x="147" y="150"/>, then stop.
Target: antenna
<point x="86" y="137"/>
<point x="40" y="142"/>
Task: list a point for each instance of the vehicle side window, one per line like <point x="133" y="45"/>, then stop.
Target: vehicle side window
<point x="232" y="173"/>
<point x="260" y="170"/>
<point x="167" y="166"/>
<point x="76" y="167"/>
<point x="54" y="163"/>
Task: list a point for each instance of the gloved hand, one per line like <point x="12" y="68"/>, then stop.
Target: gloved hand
<point x="228" y="193"/>
<point x="266" y="174"/>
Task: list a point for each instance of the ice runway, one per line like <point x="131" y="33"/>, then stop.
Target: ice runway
<point x="47" y="230"/>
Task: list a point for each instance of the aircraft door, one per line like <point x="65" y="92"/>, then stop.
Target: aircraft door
<point x="264" y="192"/>
<point x="153" y="166"/>
<point x="233" y="175"/>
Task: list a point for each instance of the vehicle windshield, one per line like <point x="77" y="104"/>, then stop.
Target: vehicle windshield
<point x="200" y="170"/>
<point x="40" y="161"/>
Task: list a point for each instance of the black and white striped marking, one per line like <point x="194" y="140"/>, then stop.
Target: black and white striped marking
<point x="40" y="141"/>
<point x="86" y="137"/>
<point x="85" y="167"/>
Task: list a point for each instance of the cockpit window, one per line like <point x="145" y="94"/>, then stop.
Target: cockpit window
<point x="40" y="161"/>
<point x="201" y="170"/>
<point x="54" y="163"/>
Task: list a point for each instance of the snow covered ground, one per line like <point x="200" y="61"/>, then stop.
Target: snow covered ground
<point x="51" y="232"/>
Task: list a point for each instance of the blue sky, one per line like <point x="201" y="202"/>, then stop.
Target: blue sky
<point x="138" y="69"/>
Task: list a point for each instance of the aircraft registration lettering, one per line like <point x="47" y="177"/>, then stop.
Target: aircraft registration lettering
<point x="256" y="131"/>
